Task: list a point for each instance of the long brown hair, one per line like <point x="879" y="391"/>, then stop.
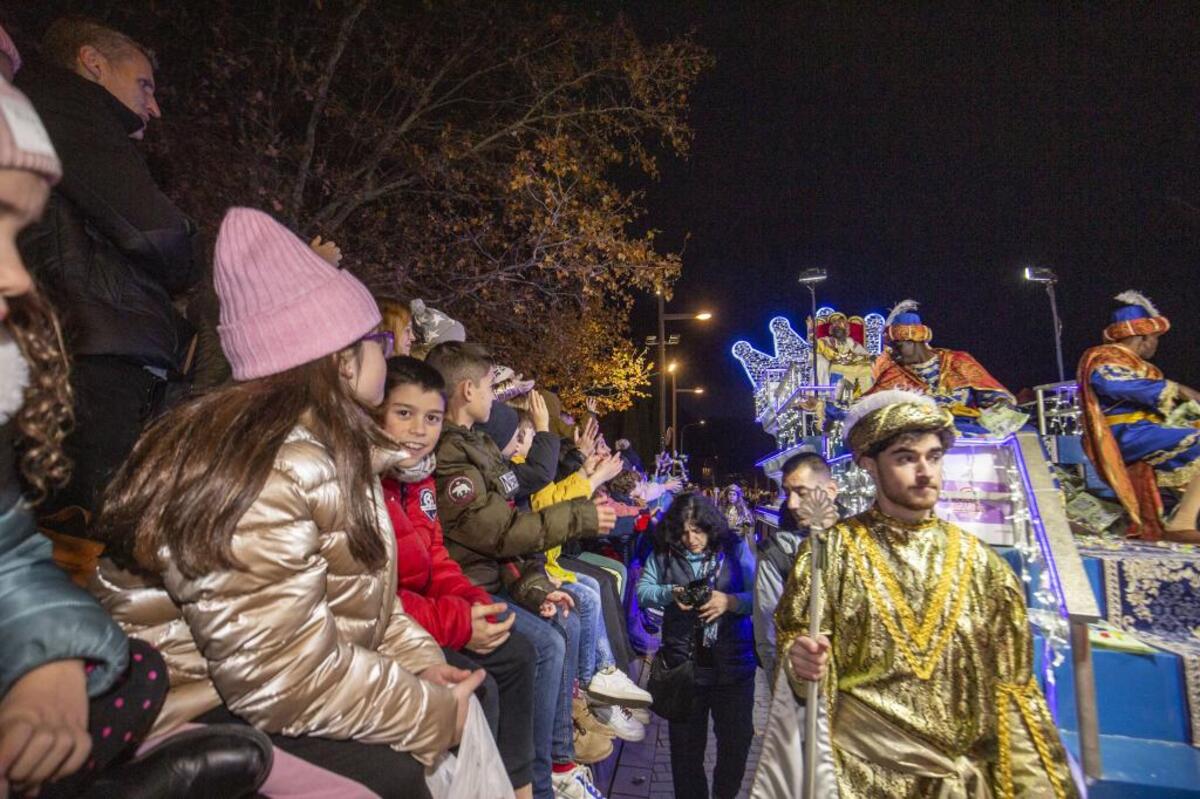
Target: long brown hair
<point x="194" y="473"/>
<point x="47" y="414"/>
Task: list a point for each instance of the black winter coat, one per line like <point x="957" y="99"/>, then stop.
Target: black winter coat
<point x="111" y="250"/>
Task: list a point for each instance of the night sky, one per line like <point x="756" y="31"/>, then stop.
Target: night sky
<point x="930" y="155"/>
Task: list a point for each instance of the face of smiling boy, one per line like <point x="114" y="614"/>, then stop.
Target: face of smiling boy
<point x="413" y="417"/>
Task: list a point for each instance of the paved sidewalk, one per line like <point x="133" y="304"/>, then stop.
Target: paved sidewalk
<point x="643" y="770"/>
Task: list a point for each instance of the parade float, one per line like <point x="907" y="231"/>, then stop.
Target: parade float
<point x="1117" y="622"/>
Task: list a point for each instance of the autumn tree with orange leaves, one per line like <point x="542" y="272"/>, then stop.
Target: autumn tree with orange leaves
<point x="464" y="152"/>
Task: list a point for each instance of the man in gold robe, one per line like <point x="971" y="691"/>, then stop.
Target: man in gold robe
<point x="841" y="359"/>
<point x="926" y="665"/>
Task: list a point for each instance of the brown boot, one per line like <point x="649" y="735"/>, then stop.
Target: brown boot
<point x="585" y="718"/>
<point x="591" y="747"/>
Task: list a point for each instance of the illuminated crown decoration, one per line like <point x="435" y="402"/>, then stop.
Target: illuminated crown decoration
<point x="791" y="361"/>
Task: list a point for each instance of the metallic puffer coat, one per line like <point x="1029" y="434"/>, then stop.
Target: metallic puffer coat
<point x="300" y="641"/>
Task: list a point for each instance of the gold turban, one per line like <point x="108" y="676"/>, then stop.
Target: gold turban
<point x="881" y="416"/>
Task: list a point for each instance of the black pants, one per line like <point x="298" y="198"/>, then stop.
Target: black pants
<point x="119" y="719"/>
<point x="507" y="699"/>
<point x="612" y="605"/>
<point x="732" y="709"/>
<point x="113" y="401"/>
<point x="377" y="767"/>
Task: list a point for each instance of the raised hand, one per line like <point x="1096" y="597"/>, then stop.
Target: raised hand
<point x="539" y="412"/>
<point x="328" y="250"/>
<point x="590" y="436"/>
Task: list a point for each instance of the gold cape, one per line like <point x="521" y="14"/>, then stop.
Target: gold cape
<point x="932" y="665"/>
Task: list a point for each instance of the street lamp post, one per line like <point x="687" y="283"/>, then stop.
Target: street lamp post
<point x="1039" y="274"/>
<point x="675" y="392"/>
<point x="663" y="318"/>
<point x="674" y="405"/>
<point x="682" y="430"/>
<point x="809" y="278"/>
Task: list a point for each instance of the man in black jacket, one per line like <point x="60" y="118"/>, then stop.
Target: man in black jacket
<point x="111" y="251"/>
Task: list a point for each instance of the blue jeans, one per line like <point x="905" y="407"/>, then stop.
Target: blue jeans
<point x="557" y="653"/>
<point x="595" y="652"/>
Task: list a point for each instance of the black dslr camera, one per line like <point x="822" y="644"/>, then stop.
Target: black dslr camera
<point x="696" y="593"/>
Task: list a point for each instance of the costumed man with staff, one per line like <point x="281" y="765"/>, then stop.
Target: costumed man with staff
<point x="1140" y="429"/>
<point x="926" y="663"/>
<point x="953" y="378"/>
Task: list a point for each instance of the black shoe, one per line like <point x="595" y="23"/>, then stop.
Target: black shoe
<point x="218" y="760"/>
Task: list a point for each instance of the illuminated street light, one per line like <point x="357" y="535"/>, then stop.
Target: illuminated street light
<point x="663" y="318"/>
<point x="1045" y="276"/>
<point x="810" y="278"/>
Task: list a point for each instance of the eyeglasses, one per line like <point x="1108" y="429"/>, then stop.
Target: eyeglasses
<point x="386" y="340"/>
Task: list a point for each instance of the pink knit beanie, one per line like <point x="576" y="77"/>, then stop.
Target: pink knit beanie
<point x="24" y="143"/>
<point x="282" y="305"/>
<point x="9" y="48"/>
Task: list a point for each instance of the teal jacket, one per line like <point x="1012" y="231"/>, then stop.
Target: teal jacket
<point x="43" y="615"/>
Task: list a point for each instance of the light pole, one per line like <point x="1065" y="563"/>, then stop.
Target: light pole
<point x="810" y="278"/>
<point x="663" y="318"/>
<point x="682" y="430"/>
<point x="675" y="392"/>
<point x="1040" y="274"/>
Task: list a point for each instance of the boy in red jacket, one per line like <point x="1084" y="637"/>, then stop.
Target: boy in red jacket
<point x="432" y="587"/>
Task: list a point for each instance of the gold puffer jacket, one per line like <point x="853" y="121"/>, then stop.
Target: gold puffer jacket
<point x="302" y="641"/>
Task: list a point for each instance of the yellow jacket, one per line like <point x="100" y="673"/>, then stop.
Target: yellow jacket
<point x="575" y="486"/>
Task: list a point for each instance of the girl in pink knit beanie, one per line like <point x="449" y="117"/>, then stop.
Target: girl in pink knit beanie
<point x="248" y="535"/>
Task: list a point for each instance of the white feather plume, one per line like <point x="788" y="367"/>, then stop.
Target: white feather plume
<point x="1132" y="297"/>
<point x="873" y="402"/>
<point x="901" y="307"/>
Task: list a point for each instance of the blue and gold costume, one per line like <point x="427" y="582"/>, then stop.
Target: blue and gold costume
<point x="1135" y="399"/>
<point x="1126" y="401"/>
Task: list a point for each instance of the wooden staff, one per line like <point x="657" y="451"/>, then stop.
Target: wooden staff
<point x="821" y="514"/>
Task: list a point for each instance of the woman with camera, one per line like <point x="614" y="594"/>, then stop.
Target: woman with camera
<point x="702" y="576"/>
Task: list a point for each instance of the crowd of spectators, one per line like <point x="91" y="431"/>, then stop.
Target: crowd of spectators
<point x="307" y="579"/>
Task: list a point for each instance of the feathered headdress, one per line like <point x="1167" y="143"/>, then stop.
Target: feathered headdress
<point x="1135" y="316"/>
<point x="1132" y="297"/>
<point x="904" y="324"/>
<point x="903" y="306"/>
<point x="882" y="415"/>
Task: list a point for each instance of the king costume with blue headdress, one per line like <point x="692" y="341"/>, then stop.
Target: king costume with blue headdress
<point x="954" y="379"/>
<point x="1127" y="402"/>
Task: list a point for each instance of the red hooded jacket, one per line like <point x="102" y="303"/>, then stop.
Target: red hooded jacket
<point x="431" y="586"/>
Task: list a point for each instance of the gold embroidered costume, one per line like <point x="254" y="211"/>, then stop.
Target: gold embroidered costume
<point x="930" y="686"/>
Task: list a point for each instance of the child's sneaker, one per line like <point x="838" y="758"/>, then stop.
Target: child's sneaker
<point x="639" y="714"/>
<point x="621" y="721"/>
<point x="613" y="687"/>
<point x="575" y="784"/>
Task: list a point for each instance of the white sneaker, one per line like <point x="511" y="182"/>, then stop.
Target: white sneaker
<point x="613" y="687"/>
<point x="639" y="714"/>
<point x="575" y="784"/>
<point x="621" y="720"/>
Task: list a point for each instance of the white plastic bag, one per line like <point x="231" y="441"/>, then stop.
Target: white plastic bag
<point x="476" y="772"/>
